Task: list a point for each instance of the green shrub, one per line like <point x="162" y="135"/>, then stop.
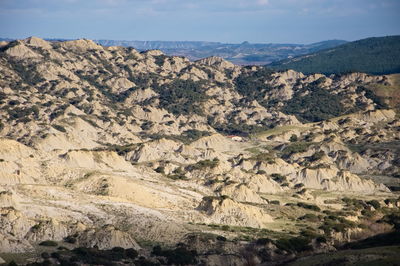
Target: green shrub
<point x="48" y="243"/>
<point x="263" y="157"/>
<point x="178" y="174"/>
<point x="131" y="253"/>
<point x="200" y="165"/>
<point x="374" y="203"/>
<point x="178" y="256"/>
<point x="59" y="128"/>
<point x="317" y="156"/>
<point x="221" y="238"/>
<point x="45" y="255"/>
<point x="299" y="185"/>
<point x="70" y="239"/>
<point x="393" y="219"/>
<point x="263" y="241"/>
<point x="55" y="255"/>
<point x="336" y="224"/>
<point x="309" y="206"/>
<point x="295" y="244"/>
<point x="278" y="178"/>
<point x="122" y="150"/>
<point x="354" y="204"/>
<point x="321" y="239"/>
<point x="296" y="147"/>
<point x="160" y="59"/>
<point x="160" y="169"/>
<point x="186" y="137"/>
<point x="12" y="263"/>
<point x="94" y="256"/>
<point x="146" y="125"/>
<point x="310" y="217"/>
<point x="293" y="138"/>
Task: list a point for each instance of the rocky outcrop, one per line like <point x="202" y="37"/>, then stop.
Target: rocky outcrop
<point x="241" y="193"/>
<point x="38" y="42"/>
<point x="229" y="212"/>
<point x="19" y="50"/>
<point x="333" y="180"/>
<point x="217" y="62"/>
<point x="107" y="237"/>
<point x="81" y="45"/>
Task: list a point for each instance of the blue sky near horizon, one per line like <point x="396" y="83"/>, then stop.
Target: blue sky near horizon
<point x="233" y="21"/>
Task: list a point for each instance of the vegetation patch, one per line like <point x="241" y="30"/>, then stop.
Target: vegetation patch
<point x="177" y="256"/>
<point x="204" y="164"/>
<point x="296" y="147"/>
<point x="309" y="206"/>
<point x="59" y="128"/>
<point x="294" y="244"/>
<point x="182" y="96"/>
<point x="263" y="157"/>
<point x="316" y="106"/>
<point x="252" y="84"/>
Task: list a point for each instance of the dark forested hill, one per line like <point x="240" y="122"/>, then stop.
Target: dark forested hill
<point x="373" y="55"/>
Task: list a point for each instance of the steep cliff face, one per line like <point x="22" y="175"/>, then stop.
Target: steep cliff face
<point x="112" y="147"/>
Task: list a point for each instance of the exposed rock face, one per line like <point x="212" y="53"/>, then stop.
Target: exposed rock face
<point x="216" y="62"/>
<point x="20" y="51"/>
<point x="37" y="42"/>
<point x="241" y="193"/>
<point x="331" y="179"/>
<point x="80" y="45"/>
<point x="227" y="211"/>
<point x="107" y="237"/>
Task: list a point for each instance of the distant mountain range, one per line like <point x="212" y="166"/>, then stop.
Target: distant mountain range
<point x="380" y="55"/>
<point x="241" y="54"/>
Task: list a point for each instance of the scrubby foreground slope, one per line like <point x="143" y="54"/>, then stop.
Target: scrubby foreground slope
<point x="108" y="147"/>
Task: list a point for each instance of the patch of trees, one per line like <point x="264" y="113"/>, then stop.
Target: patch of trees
<point x="316" y="106"/>
<point x="203" y="164"/>
<point x="160" y="59"/>
<point x="59" y="128"/>
<point x="295" y="147"/>
<point x="177" y="256"/>
<point x="251" y="84"/>
<point x="21" y="112"/>
<point x="182" y="96"/>
<point x="92" y="256"/>
<point x="240" y="129"/>
<point x="294" y="244"/>
<point x="372" y="55"/>
<point x="186" y="137"/>
<point x="368" y="93"/>
<point x="26" y="72"/>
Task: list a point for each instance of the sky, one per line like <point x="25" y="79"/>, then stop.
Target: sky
<point x="232" y="21"/>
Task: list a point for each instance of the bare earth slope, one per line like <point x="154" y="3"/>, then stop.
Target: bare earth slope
<point x="107" y="147"/>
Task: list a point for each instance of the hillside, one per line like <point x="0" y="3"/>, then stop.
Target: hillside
<point x="373" y="55"/>
<point x="108" y="154"/>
